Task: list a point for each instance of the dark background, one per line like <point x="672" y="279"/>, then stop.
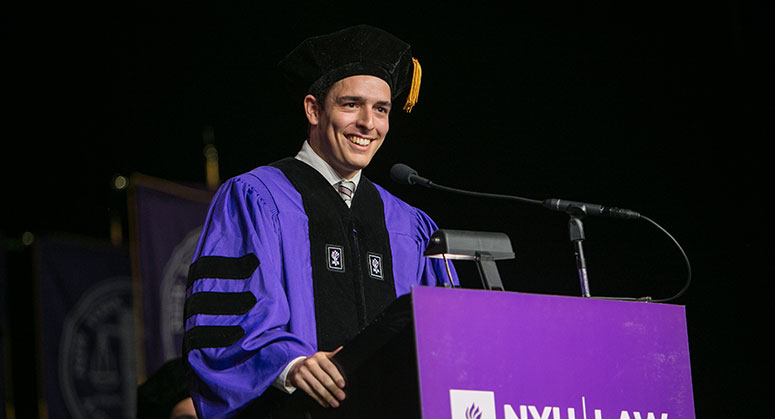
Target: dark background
<point x="662" y="109"/>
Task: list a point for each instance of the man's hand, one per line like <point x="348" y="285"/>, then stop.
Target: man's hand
<point x="319" y="378"/>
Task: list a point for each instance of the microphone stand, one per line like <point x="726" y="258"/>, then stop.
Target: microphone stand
<point x="576" y="228"/>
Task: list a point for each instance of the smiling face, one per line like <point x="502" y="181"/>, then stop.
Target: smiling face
<point x="349" y="129"/>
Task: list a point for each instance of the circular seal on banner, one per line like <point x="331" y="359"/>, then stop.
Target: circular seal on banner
<point x="96" y="354"/>
<point x="172" y="290"/>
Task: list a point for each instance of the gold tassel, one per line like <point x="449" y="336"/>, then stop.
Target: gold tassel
<point x="414" y="89"/>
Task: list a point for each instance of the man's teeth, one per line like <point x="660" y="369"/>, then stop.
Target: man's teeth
<point x="359" y="140"/>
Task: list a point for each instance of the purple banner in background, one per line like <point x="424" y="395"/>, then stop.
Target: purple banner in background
<point x="505" y="355"/>
<point x="167" y="220"/>
<point x="87" y="333"/>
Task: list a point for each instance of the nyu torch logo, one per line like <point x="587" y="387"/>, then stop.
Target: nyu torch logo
<point x="471" y="404"/>
<point x="473" y="412"/>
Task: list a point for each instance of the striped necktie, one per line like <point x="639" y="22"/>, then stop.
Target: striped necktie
<point x="346" y="189"/>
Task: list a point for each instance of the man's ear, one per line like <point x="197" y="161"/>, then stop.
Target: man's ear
<point x="311" y="109"/>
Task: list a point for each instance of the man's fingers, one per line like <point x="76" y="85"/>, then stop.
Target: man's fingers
<point x="302" y="385"/>
<point x="323" y="361"/>
<point x="332" y="371"/>
<point x="323" y="391"/>
<point x="305" y="380"/>
<point x="328" y="375"/>
<point x="336" y="351"/>
<point x="320" y="378"/>
<point x="331" y="368"/>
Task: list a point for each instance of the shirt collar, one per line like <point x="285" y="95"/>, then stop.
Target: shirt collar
<point x="309" y="156"/>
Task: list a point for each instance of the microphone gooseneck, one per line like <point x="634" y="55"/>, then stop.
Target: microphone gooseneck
<point x="404" y="174"/>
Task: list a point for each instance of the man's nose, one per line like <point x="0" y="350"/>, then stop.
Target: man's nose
<point x="366" y="119"/>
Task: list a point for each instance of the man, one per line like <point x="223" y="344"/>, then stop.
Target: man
<point x="297" y="257"/>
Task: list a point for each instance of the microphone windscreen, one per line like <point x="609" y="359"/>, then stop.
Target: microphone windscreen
<point x="402" y="173"/>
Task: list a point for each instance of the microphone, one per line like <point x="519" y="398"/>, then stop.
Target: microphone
<point x="583" y="208"/>
<point x="405" y="175"/>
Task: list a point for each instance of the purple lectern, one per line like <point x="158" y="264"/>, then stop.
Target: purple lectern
<point x="505" y="355"/>
<point x="475" y="354"/>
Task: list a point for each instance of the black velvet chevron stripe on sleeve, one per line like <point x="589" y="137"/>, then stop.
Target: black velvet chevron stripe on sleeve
<point x="222" y="267"/>
<point x="219" y="303"/>
<point x="211" y="337"/>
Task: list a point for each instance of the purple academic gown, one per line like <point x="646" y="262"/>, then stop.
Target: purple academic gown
<point x="262" y="262"/>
